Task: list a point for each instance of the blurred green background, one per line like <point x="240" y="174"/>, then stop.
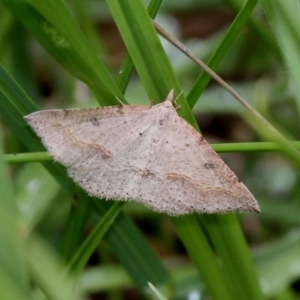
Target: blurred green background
<point x="56" y="242"/>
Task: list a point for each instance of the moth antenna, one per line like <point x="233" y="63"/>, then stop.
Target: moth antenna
<point x="179" y="95"/>
<point x="175" y="104"/>
<point x="152" y="103"/>
<point x="122" y="103"/>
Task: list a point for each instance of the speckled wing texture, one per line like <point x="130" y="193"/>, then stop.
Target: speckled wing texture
<point x="143" y="153"/>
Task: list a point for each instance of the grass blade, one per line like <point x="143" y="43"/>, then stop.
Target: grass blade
<point x="13" y="274"/>
<point x="60" y="36"/>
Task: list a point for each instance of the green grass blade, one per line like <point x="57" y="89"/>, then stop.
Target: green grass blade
<point x="48" y="273"/>
<point x="12" y="251"/>
<point x="27" y="157"/>
<point x="9" y="289"/>
<point x="283" y="18"/>
<point x="14" y="104"/>
<point x="147" y="54"/>
<point x="52" y="25"/>
<point x="87" y="26"/>
<point x="239" y="265"/>
<point x="218" y="55"/>
<point x="137" y="42"/>
<point x="127" y="66"/>
<point x="21" y="60"/>
<point x="79" y="216"/>
<point x="258" y="27"/>
<point x="35" y="190"/>
<point x="156" y="292"/>
<point x="200" y="252"/>
<point x="85" y="251"/>
<point x="131" y="248"/>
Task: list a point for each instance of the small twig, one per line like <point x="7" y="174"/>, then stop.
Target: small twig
<point x="199" y="62"/>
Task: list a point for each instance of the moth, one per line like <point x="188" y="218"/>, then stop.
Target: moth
<point x="144" y="153"/>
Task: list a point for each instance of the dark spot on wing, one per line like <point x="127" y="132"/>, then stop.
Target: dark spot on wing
<point x="209" y="166"/>
<point x="94" y="121"/>
<point x="106" y="154"/>
<point x="147" y="172"/>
